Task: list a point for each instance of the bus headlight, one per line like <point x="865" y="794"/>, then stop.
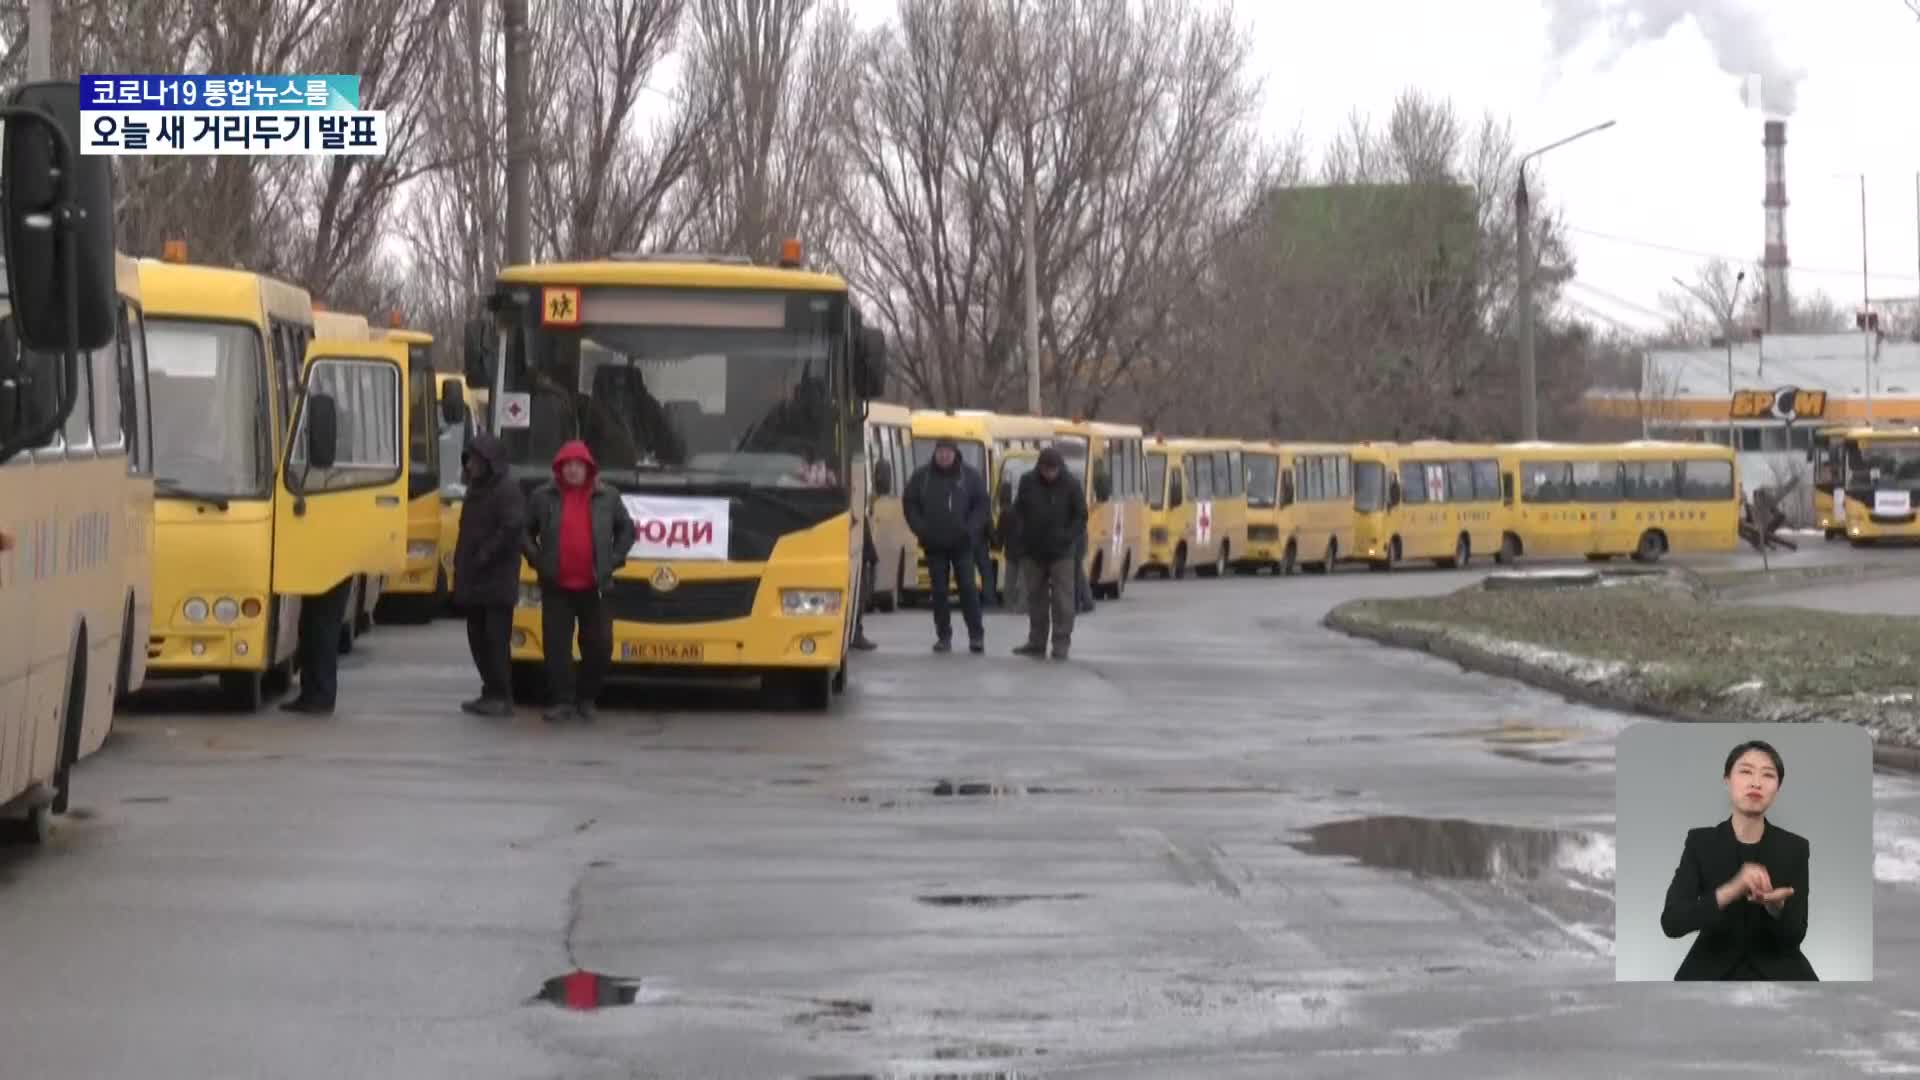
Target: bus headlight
<point x="530" y="596"/>
<point x="809" y="601"/>
<point x="420" y="550"/>
<point x="195" y="610"/>
<point x="225" y="609"/>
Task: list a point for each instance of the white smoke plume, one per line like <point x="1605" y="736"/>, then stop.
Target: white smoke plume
<point x="1735" y="31"/>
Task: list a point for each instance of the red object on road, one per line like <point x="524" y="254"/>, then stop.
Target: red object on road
<point x="583" y="990"/>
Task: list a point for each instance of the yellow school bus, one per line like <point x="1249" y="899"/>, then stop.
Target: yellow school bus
<point x="1116" y="497"/>
<point x="1266" y="543"/>
<point x="1314" y="519"/>
<point x="889" y="445"/>
<point x="76" y="542"/>
<point x="1877" y="472"/>
<point x="1827" y="455"/>
<point x="235" y="543"/>
<point x="1433" y="501"/>
<point x="1601" y="500"/>
<point x="1214" y="513"/>
<point x="367" y="591"/>
<point x="433" y="406"/>
<point x="724" y="400"/>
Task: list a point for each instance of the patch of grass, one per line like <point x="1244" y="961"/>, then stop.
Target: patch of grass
<point x="1687" y="650"/>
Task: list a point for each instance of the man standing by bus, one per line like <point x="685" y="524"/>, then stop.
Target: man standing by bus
<point x="946" y="507"/>
<point x="579" y="533"/>
<point x="1052" y="511"/>
<point x="486" y="569"/>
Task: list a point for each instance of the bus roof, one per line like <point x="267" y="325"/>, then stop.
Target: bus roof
<point x="1199" y="444"/>
<point x="667" y="273"/>
<point x="126" y="276"/>
<point x="215" y="292"/>
<point x="341" y="326"/>
<point x="1875" y="434"/>
<point x="885" y="412"/>
<point x="411" y="337"/>
<point x="936" y="423"/>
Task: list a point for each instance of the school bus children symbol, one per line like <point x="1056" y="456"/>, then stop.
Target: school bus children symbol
<point x="560" y="306"/>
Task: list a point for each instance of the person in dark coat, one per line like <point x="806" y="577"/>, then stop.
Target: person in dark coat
<point x="1052" y="511"/>
<point x="579" y="533"/>
<point x="1742" y="884"/>
<point x="870" y="566"/>
<point x="486" y="569"/>
<point x="946" y="507"/>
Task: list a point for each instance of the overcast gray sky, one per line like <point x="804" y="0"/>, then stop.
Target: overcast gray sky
<point x="1680" y="177"/>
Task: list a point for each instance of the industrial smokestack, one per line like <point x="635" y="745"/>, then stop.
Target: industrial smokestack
<point x="1774" y="263"/>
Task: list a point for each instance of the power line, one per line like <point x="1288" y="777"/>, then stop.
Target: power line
<point x="1632" y="305"/>
<point x="1650" y="245"/>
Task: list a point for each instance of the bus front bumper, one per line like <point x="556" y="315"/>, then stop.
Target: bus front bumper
<point x="774" y="641"/>
<point x="202" y="650"/>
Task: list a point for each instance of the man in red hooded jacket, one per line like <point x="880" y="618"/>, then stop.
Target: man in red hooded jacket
<point x="578" y="534"/>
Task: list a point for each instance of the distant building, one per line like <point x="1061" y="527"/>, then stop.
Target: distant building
<point x="1690" y="394"/>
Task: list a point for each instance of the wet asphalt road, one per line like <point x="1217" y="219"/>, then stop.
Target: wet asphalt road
<point x="978" y="866"/>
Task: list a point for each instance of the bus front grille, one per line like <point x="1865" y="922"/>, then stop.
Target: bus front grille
<point x="690" y="602"/>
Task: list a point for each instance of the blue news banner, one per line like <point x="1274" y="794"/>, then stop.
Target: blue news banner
<point x="228" y="114"/>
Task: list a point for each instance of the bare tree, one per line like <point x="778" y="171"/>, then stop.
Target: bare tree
<point x="771" y="75"/>
<point x="598" y="187"/>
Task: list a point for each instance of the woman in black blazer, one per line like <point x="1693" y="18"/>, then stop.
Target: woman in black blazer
<point x="1743" y="883"/>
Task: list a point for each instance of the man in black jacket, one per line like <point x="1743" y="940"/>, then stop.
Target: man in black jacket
<point x="1052" y="511"/>
<point x="486" y="569"/>
<point x="946" y="507"/>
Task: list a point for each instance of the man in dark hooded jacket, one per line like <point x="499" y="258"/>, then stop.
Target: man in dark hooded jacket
<point x="945" y="502"/>
<point x="1052" y="511"/>
<point x="579" y="533"/>
<point x="486" y="569"/>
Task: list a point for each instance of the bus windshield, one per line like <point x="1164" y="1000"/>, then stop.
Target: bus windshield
<point x="1263" y="481"/>
<point x="1156" y="481"/>
<point x="971" y="452"/>
<point x="1885" y="464"/>
<point x="677" y="388"/>
<point x="209" y="403"/>
<point x="1369" y="487"/>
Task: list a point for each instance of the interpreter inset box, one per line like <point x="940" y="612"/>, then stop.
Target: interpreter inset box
<point x="1744" y="852"/>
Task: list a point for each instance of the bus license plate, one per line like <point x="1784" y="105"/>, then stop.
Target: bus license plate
<point x="662" y="652"/>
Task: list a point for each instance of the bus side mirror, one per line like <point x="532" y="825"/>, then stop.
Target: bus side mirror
<point x="47" y="271"/>
<point x="453" y="403"/>
<point x="883" y="478"/>
<point x="870" y="362"/>
<point x="323" y="431"/>
<point x="1393" y="492"/>
<point x="477" y="357"/>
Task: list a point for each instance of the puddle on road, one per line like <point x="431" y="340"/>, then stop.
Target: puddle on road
<point x="585" y="991"/>
<point x="986" y="900"/>
<point x="1444" y="847"/>
<point x="1514" y="753"/>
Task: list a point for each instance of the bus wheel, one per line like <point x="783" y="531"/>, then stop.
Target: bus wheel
<point x="244" y="690"/>
<point x="1652" y="545"/>
<point x="71" y="723"/>
<point x="529" y="683"/>
<point x="810" y="691"/>
<point x="1509" y="550"/>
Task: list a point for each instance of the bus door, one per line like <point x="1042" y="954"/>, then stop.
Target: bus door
<point x="343" y="507"/>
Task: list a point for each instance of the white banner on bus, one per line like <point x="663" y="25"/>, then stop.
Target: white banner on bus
<point x="677" y="527"/>
<point x="1892" y="502"/>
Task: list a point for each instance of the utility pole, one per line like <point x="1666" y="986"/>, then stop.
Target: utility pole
<point x="39" y="40"/>
<point x="1529" y="382"/>
<point x="1733" y="430"/>
<point x="1867" y="330"/>
<point x="1031" y="289"/>
<point x="519" y="153"/>
<point x="1522" y="213"/>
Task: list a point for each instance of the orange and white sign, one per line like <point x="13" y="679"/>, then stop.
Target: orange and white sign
<point x="560" y="306"/>
<point x="671" y="527"/>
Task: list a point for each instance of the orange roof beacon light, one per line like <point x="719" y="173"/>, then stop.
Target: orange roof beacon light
<point x="321" y="307"/>
<point x="174" y="251"/>
<point x="790" y="252"/>
<point x="393" y="320"/>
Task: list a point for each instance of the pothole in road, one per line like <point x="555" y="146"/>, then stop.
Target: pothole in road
<point x="987" y="900"/>
<point x="1450" y="848"/>
<point x="586" y="991"/>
